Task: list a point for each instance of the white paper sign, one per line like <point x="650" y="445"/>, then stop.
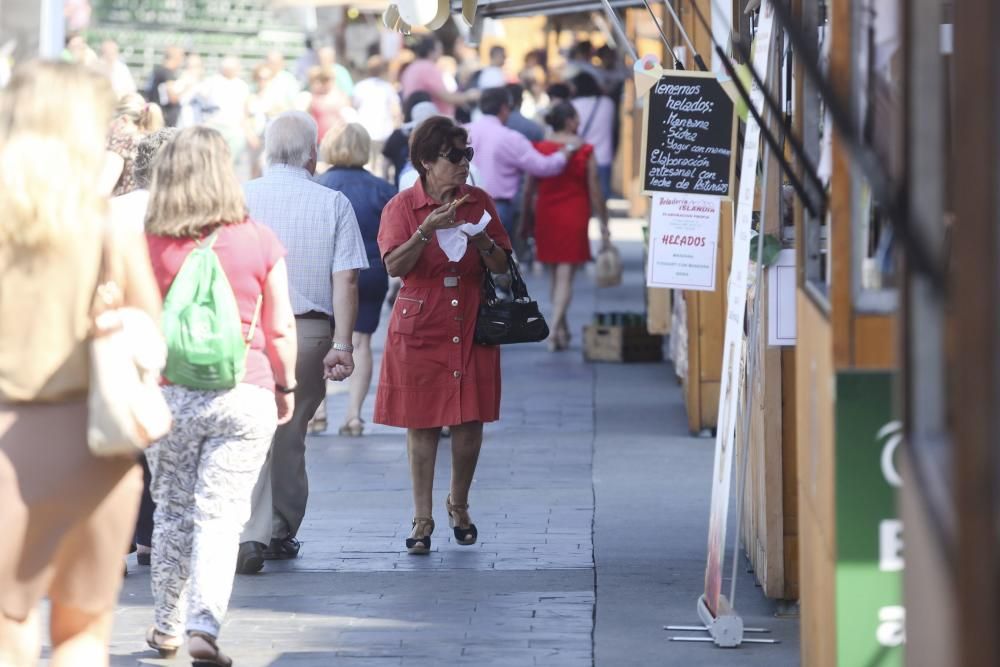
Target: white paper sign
<point x="781" y="300"/>
<point x="683" y="242"/>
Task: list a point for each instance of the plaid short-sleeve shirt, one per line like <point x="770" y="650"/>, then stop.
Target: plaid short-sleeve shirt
<point x="316" y="225"/>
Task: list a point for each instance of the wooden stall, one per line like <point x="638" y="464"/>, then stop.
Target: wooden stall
<point x="840" y="331"/>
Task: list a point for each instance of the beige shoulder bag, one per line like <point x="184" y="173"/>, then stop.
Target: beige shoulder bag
<point x="127" y="411"/>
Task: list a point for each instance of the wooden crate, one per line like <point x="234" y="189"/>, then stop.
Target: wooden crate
<point x="618" y="343"/>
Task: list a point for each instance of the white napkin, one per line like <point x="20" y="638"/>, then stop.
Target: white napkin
<point x="454" y="241"/>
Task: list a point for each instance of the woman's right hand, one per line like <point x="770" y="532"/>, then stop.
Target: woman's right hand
<point x="286" y="406"/>
<point x="443" y="217"/>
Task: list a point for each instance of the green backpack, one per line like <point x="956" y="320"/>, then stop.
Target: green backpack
<point x="202" y="326"/>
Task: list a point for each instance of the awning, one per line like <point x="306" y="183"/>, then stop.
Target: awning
<point x="360" y="5"/>
<point x="504" y="8"/>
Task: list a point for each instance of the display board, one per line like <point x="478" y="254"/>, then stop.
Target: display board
<point x="871" y="619"/>
<point x="689" y="136"/>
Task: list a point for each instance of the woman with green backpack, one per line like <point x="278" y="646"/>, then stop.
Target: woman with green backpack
<point x="231" y="345"/>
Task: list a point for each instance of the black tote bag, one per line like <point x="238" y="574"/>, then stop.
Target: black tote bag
<point x="506" y="322"/>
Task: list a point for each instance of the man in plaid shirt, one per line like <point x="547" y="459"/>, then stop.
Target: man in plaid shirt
<point x="318" y="228"/>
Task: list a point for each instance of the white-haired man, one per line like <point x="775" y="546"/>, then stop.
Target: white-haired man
<point x="318" y="228"/>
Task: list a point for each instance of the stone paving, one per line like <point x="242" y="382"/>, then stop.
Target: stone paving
<point x="523" y="595"/>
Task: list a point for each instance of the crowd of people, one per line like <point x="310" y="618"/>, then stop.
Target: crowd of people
<point x="294" y="202"/>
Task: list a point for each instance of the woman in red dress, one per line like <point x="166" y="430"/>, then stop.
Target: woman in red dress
<point x="433" y="375"/>
<point x="558" y="209"/>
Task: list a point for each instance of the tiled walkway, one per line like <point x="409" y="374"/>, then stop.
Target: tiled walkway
<point x="525" y="594"/>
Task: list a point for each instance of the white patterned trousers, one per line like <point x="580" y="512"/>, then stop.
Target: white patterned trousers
<point x="203" y="473"/>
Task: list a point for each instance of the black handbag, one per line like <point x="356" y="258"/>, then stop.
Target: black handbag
<point x="505" y="322"/>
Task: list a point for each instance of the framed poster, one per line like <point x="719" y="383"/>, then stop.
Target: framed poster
<point x="683" y="242"/>
<point x="689" y="136"/>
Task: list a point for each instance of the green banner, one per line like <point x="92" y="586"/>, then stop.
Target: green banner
<point x="870" y="614"/>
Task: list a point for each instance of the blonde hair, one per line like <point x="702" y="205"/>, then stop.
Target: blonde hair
<point x="194" y="186"/>
<point x="346" y="146"/>
<point x="50" y="160"/>
<point x="146" y="116"/>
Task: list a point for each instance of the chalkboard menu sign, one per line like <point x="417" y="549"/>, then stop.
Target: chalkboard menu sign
<point x="689" y="136"/>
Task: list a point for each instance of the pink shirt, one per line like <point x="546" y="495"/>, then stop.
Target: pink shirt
<point x="247" y="251"/>
<point x="424" y="75"/>
<point x="503" y="155"/>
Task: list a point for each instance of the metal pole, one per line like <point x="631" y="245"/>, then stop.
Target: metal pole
<point x="620" y="33"/>
<point x="680" y="26"/>
<point x="677" y="63"/>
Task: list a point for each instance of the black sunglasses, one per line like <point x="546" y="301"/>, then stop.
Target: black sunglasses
<point x="455" y="155"/>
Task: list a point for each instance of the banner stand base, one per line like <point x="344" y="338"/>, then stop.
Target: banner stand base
<point x="725" y="630"/>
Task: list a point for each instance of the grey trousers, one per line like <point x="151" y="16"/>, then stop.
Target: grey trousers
<point x="279" y="498"/>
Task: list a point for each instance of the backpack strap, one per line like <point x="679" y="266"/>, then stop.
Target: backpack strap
<point x="253" y="320"/>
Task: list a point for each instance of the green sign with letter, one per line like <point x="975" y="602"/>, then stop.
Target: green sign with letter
<point x="869" y="579"/>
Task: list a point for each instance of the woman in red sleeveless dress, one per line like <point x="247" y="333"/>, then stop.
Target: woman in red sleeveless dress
<point x="558" y="209"/>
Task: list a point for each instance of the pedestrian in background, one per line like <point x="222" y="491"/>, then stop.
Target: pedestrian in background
<point x="67" y="514"/>
<point x="346" y="150"/>
<point x="204" y="470"/>
<point x="433" y="375"/>
<point x="557" y="211"/>
<point x="503" y="155"/>
<point x="111" y="66"/>
<point x="597" y="115"/>
<point x="134" y="118"/>
<point x="397" y="146"/>
<point x="423" y="74"/>
<point x="379" y="111"/>
<point x="162" y="88"/>
<point x="325" y="253"/>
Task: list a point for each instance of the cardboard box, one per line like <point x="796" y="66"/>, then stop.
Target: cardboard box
<point x="619" y="343"/>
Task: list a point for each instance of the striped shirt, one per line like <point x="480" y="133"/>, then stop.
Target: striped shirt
<point x="316" y="225"/>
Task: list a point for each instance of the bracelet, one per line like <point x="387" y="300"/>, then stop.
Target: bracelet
<point x="423" y="237"/>
<point x="343" y="347"/>
<point x="489" y="251"/>
<point x="285" y="390"/>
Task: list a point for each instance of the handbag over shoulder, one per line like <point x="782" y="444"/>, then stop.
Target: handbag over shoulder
<point x="506" y="322"/>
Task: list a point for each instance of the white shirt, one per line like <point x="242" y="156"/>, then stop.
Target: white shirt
<point x="316" y="225"/>
<point x="377" y="103"/>
<point x="223" y="101"/>
<point x="129" y="210"/>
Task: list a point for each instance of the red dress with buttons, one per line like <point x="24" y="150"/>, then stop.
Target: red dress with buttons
<point x="432" y="373"/>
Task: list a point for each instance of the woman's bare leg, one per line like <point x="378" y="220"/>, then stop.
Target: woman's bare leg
<point x="20" y="641"/>
<point x="421" y="446"/>
<point x="562" y="293"/>
<point x="361" y="379"/>
<point x="79" y="637"/>
<point x="466" y="442"/>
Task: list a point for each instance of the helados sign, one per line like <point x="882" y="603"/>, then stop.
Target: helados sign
<point x="404" y="15"/>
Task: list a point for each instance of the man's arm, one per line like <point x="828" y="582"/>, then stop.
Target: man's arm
<point x="339" y="364"/>
<point x="530" y="161"/>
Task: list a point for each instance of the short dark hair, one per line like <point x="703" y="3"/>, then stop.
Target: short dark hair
<point x="425" y="47"/>
<point x="149" y="147"/>
<point x="493" y="100"/>
<point x="585" y="85"/>
<point x="559" y="91"/>
<point x="413" y="100"/>
<point x="559" y="115"/>
<point x="497" y="51"/>
<point x="432" y="135"/>
<point x="516" y="92"/>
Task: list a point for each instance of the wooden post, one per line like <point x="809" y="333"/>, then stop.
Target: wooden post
<point x="974" y="295"/>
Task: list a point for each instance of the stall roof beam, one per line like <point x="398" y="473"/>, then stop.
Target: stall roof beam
<point x="499" y="9"/>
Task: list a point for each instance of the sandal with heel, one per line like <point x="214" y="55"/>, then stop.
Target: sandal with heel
<point x="204" y="651"/>
<point x="464" y="536"/>
<point x="164" y="644"/>
<point x="419" y="542"/>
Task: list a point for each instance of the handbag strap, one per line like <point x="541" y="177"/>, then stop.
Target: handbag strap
<point x="590" y="117"/>
<point x="517" y="285"/>
<point x="108" y="292"/>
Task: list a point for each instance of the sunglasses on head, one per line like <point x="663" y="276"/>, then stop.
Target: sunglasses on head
<point x="455" y="155"/>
